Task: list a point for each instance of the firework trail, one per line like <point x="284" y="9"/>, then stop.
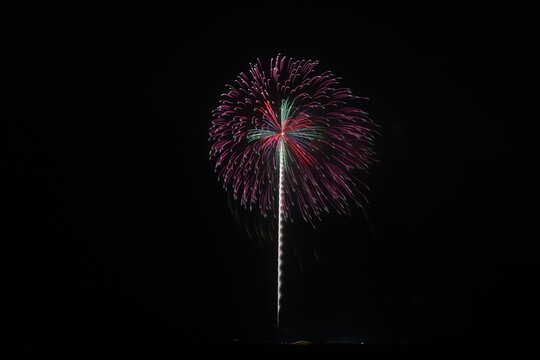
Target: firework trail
<point x="286" y="129"/>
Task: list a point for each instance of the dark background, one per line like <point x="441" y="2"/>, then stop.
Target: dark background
<point x="119" y="233"/>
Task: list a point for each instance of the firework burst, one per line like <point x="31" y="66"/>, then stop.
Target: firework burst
<point x="286" y="129"/>
<point x="324" y="138"/>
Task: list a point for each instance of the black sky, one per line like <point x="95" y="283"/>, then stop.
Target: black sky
<point x="119" y="232"/>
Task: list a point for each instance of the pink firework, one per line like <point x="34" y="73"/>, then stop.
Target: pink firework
<point x="289" y="109"/>
<point x="285" y="132"/>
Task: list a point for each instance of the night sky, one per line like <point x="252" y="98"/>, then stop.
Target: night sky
<point x="119" y="233"/>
